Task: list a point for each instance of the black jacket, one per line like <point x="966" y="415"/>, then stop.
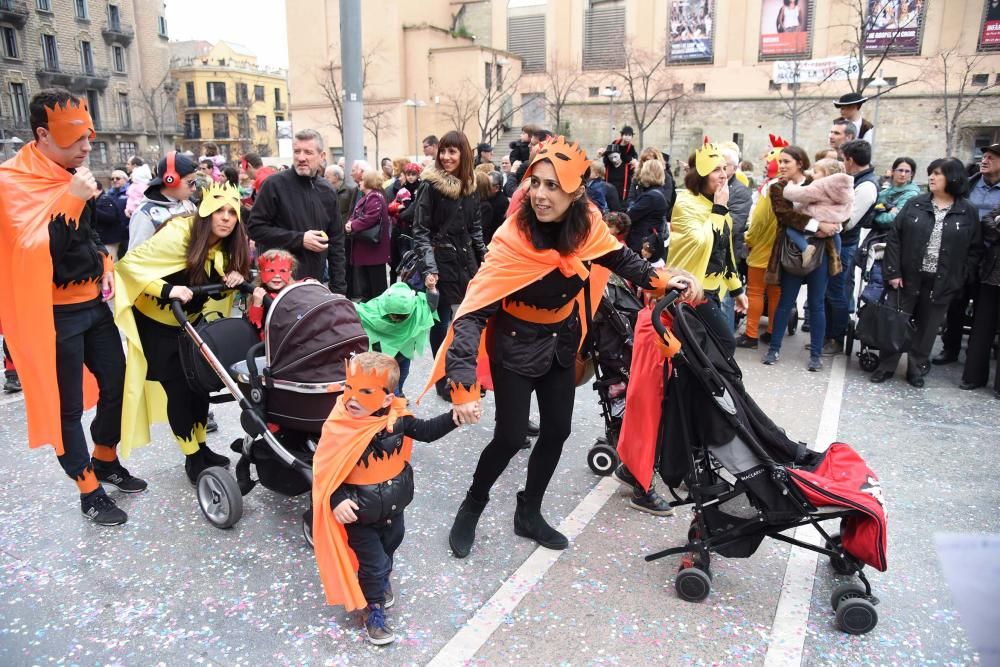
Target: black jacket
<point x="499" y="203"/>
<point x="961" y="246"/>
<point x="612" y="197"/>
<point x="287" y="206"/>
<point x="378" y="502"/>
<point x="989" y="267"/>
<point x="447" y="231"/>
<point x="648" y="213"/>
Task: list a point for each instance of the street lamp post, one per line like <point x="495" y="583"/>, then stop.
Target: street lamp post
<point x="416" y="103"/>
<point x="878" y="83"/>
<point x="611" y="92"/>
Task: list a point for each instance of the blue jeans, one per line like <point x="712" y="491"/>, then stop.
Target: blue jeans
<point x="728" y="308"/>
<point x="404" y="370"/>
<point x="790" y="285"/>
<point x="839" y="293"/>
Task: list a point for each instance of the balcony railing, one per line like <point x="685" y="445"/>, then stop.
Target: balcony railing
<point x="73" y="79"/>
<point x="116" y="33"/>
<point x="279" y="106"/>
<point x="14" y="12"/>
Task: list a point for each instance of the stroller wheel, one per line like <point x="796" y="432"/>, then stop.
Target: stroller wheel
<point x="602" y="459"/>
<point x="868" y="361"/>
<point x="307" y="527"/>
<point x="693" y="584"/>
<point x="219" y="497"/>
<point x="842" y="565"/>
<point x="856" y="616"/>
<point x="793" y="321"/>
<point x="844" y="592"/>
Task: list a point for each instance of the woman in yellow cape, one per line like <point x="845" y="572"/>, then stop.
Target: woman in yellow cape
<point x="209" y="247"/>
<point x="522" y="316"/>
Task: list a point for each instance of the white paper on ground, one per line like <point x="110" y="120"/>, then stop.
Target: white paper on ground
<point x="971" y="564"/>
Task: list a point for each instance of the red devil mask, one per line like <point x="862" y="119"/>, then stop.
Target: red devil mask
<point x="275" y="267"/>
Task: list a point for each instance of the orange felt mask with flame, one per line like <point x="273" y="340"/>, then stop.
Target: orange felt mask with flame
<point x="570" y="163"/>
<point x="70" y="121"/>
<point x="368" y="387"/>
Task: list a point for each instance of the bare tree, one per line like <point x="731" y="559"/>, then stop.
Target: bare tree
<point x="159" y="106"/>
<point x="496" y="105"/>
<point x="377" y="118"/>
<point x="329" y="78"/>
<point x="796" y="104"/>
<point x="461" y="106"/>
<point x="562" y="82"/>
<point x="869" y="62"/>
<point x="958" y="95"/>
<point x="649" y="86"/>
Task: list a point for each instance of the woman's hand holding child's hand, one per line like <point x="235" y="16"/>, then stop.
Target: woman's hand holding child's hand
<point x="466" y="413"/>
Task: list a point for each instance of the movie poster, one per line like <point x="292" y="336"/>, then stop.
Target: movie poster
<point x="691" y="26"/>
<point x="784" y="28"/>
<point x="894" y="26"/>
<point x="989" y="38"/>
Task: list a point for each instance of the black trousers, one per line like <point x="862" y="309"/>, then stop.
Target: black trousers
<point x="555" y="391"/>
<point x="928" y="315"/>
<point x="375" y="544"/>
<point x="955" y="321"/>
<point x="984" y="333"/>
<point x="370" y="281"/>
<point x="88" y="336"/>
<point x="711" y="312"/>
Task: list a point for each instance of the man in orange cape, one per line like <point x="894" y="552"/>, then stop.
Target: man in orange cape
<point x="57" y="319"/>
<point x="362" y="482"/>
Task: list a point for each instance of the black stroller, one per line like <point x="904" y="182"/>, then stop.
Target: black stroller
<point x="610" y="344"/>
<point x="285" y="395"/>
<point x="869" y="290"/>
<point x="747" y="480"/>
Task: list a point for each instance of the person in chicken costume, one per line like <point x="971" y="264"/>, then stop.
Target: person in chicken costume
<point x="58" y="278"/>
<point x="524" y="318"/>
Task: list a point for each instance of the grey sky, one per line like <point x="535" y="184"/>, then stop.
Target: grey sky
<point x="257" y="24"/>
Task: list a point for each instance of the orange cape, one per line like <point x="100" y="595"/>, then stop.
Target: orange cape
<point x="513" y="263"/>
<point x="341" y="444"/>
<point x="34" y="191"/>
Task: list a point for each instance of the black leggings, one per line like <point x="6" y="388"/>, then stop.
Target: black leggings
<point x="187" y="413"/>
<point x="555" y="391"/>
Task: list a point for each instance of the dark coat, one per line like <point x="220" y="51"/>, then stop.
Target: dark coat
<point x="740" y="203"/>
<point x="961" y="246"/>
<point x="110" y="219"/>
<point x="648" y="213"/>
<point x="447" y="231"/>
<point x="286" y="207"/>
<point x="498" y="213"/>
<point x="989" y="267"/>
<point x="370" y="211"/>
<point x="612" y="197"/>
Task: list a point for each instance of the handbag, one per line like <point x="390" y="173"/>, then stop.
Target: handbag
<point x="791" y="258"/>
<point x="229" y="338"/>
<point x="884" y="327"/>
<point x="371" y="235"/>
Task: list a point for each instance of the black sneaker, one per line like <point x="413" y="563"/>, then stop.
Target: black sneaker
<point x="11" y="383"/>
<point x="210" y="424"/>
<point x="213" y="458"/>
<point x="651" y="502"/>
<point x="625" y="478"/>
<point x="100" y="509"/>
<point x="376" y="630"/>
<point x="194" y="464"/>
<point x="746" y="342"/>
<point x="765" y="337"/>
<point x="532" y="430"/>
<point x="118" y="476"/>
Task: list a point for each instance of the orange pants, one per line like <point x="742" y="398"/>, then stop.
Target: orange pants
<point x="755" y="294"/>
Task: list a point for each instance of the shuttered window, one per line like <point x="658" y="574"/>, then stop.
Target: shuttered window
<point x="526" y="38"/>
<point x="604" y="37"/>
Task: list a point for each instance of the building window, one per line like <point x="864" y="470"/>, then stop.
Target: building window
<point x="50" y="51"/>
<point x="192" y="126"/>
<point x="277" y="99"/>
<point x="19" y="101"/>
<point x="161" y="26"/>
<point x="771" y="85"/>
<point x="87" y="58"/>
<point x="189" y="89"/>
<point x="242" y="93"/>
<point x="9" y="42"/>
<point x="603" y="36"/>
<point x="94" y="105"/>
<point x="489" y="75"/>
<point x="980" y="79"/>
<point x="114" y="18"/>
<point x="216" y="93"/>
<point x="891" y="80"/>
<point x="593" y="91"/>
<point x="99" y="152"/>
<point x="44" y="5"/>
<point x="243" y="123"/>
<point x="262" y="123"/>
<point x="81" y="9"/>
<point x="258" y="93"/>
<point x="526" y="38"/>
<point x="278" y="118"/>
<point x="127" y="150"/>
<point x="124" y="112"/>
<point x="220" y="125"/>
<point x="118" y="58"/>
<point x="699" y="87"/>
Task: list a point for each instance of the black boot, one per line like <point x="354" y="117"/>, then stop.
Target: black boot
<point x="463" y="531"/>
<point x="194" y="464"/>
<point x="528" y="522"/>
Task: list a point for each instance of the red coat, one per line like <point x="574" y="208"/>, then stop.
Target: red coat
<point x="370" y="210"/>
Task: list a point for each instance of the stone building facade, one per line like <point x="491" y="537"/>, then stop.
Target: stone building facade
<point x="114" y="54"/>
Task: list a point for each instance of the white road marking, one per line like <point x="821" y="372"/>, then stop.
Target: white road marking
<point x="463" y="646"/>
<point x="788" y="633"/>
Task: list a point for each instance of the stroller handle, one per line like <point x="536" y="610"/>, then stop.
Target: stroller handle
<point x="662" y="304"/>
<point x="177" y="308"/>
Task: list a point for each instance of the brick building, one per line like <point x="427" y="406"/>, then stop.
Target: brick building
<point x="113" y="53"/>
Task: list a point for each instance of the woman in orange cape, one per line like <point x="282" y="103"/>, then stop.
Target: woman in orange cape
<point x="522" y="317"/>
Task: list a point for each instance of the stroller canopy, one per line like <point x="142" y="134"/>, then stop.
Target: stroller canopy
<point x="310" y="333"/>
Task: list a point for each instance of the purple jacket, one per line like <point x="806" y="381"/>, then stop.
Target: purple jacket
<point x="370" y="209"/>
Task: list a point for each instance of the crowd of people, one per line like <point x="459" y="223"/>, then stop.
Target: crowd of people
<point x="438" y="251"/>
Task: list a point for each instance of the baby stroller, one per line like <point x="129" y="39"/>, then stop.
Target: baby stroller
<point x="747" y="480"/>
<point x="869" y="290"/>
<point x="610" y="359"/>
<point x="285" y="395"/>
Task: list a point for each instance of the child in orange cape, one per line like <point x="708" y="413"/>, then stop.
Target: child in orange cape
<point x="362" y="483"/>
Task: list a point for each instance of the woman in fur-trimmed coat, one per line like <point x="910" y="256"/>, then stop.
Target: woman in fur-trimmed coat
<point x="447" y="229"/>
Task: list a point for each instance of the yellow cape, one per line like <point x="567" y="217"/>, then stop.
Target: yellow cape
<point x="163" y="254"/>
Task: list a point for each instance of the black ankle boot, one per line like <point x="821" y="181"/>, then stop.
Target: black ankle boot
<point x="463" y="531"/>
<point x="213" y="458"/>
<point x="528" y="522"/>
<point x="194" y="464"/>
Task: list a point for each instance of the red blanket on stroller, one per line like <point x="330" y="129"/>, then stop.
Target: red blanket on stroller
<point x="844" y="479"/>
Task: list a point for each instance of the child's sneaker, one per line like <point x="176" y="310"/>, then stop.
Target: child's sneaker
<point x="390" y="597"/>
<point x="376" y="630"/>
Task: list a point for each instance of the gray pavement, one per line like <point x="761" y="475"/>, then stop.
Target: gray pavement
<point x="167" y="588"/>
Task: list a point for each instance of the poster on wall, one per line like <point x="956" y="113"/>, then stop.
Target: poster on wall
<point x="989" y="38"/>
<point x="784" y="28"/>
<point x="894" y="26"/>
<point x="691" y="26"/>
